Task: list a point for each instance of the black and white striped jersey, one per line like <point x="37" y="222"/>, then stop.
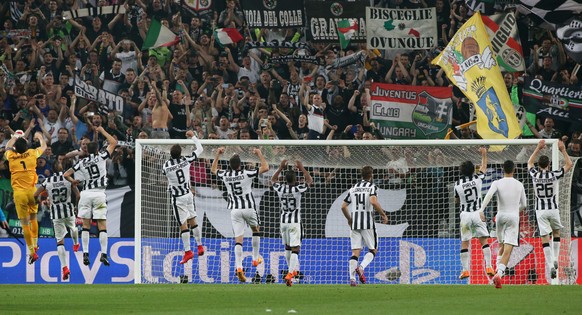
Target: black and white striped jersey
<point x="60" y="196"/>
<point x="93" y="170"/>
<point x="545" y="187"/>
<point x="361" y="209"/>
<point x="239" y="188"/>
<point x="468" y="190"/>
<point x="290" y="198"/>
<point x="178" y="173"/>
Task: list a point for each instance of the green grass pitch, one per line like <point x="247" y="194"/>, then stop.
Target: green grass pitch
<point x="298" y="299"/>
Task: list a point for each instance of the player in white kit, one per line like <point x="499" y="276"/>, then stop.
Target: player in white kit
<point x="241" y="203"/>
<point x="290" y="199"/>
<point x="93" y="201"/>
<point x="177" y="170"/>
<point x="468" y="195"/>
<point x="358" y="208"/>
<point x="510" y="201"/>
<point x="61" y="200"/>
<point x="546" y="204"/>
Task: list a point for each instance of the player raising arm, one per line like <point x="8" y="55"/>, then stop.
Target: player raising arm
<point x="510" y="200"/>
<point x="290" y="199"/>
<point x="546" y="205"/>
<point x="61" y="200"/>
<point x="362" y="200"/>
<point x="468" y="195"/>
<point x="177" y="170"/>
<point x="23" y="178"/>
<point x="241" y="204"/>
<point x="93" y="201"/>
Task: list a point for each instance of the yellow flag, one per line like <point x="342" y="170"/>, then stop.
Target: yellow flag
<point x="469" y="62"/>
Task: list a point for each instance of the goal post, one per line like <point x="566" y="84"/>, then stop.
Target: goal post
<point x="420" y="244"/>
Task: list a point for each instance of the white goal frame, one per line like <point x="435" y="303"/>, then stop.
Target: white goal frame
<point x="140" y="143"/>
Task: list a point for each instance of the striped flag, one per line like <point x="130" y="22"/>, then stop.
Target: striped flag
<point x="550" y="13"/>
<point x="159" y="36"/>
<point x="346" y="30"/>
<point x="225" y="36"/>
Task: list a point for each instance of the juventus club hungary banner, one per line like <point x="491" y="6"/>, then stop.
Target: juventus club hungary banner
<point x="502" y="30"/>
<point x="411" y="112"/>
<point x="561" y="102"/>
<point x="273" y="13"/>
<point x="469" y="62"/>
<point x="103" y="97"/>
<point x="322" y="19"/>
<point x="401" y="29"/>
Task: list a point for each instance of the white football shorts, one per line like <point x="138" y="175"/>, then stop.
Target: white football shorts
<point x="241" y="218"/>
<point x="291" y="234"/>
<point x="368" y="238"/>
<point x="548" y="220"/>
<point x="183" y="208"/>
<point x="61" y="225"/>
<point x="93" y="205"/>
<point x="472" y="226"/>
<point x="507" y="228"/>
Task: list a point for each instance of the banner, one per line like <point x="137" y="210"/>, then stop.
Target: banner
<point x="561" y="102"/>
<point x="295" y="58"/>
<point x="419" y="260"/>
<point x="469" y="62"/>
<point x="401" y="29"/>
<point x="273" y="13"/>
<point x="277" y="44"/>
<point x="322" y="19"/>
<point x="359" y="58"/>
<point x="106" y="98"/>
<point x="22" y="33"/>
<point x="502" y="30"/>
<point x="91" y="11"/>
<point x="411" y="112"/>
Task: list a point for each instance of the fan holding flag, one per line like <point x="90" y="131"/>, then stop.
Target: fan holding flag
<point x="346" y="29"/>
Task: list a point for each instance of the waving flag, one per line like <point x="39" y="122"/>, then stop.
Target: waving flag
<point x="159" y="36"/>
<point x="550" y="13"/>
<point x="571" y="35"/>
<point x="469" y="62"/>
<point x="346" y="29"/>
<point x="502" y="30"/>
<point x="225" y="36"/>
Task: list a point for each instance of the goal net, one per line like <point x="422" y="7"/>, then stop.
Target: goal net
<point x="419" y="245"/>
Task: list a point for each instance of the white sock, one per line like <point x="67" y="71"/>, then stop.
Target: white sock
<point x="487" y="256"/>
<point x="293" y="262"/>
<point x="465" y="261"/>
<point x="85" y="241"/>
<point x="103" y="241"/>
<point x="185" y="235"/>
<point x="256" y="246"/>
<point x="352" y="269"/>
<point x="501" y="269"/>
<point x="556" y="251"/>
<point x="197" y="235"/>
<point x="62" y="255"/>
<point x="75" y="235"/>
<point x="498" y="260"/>
<point x="288" y="258"/>
<point x="548" y="256"/>
<point x="367" y="260"/>
<point x="238" y="253"/>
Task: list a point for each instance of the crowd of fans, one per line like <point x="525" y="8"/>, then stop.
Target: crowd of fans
<point x="220" y="92"/>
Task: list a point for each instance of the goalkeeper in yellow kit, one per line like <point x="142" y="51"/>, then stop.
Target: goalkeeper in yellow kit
<point x="23" y="178"/>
